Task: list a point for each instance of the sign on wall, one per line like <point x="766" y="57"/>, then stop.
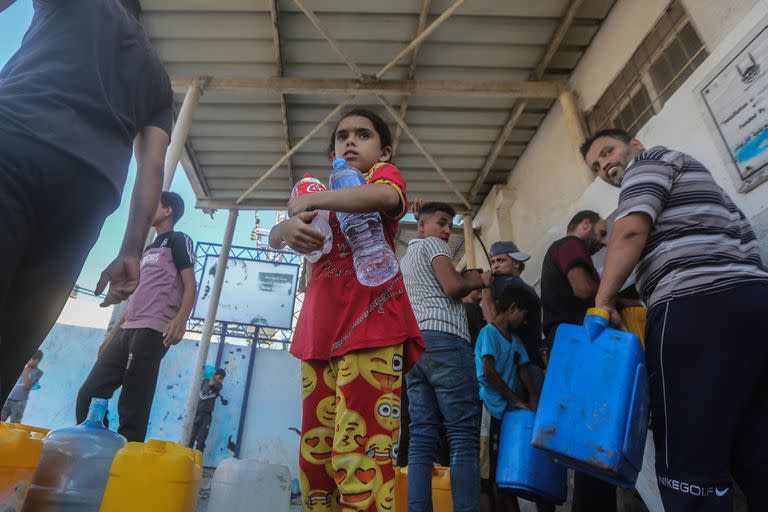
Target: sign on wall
<point x="737" y="100"/>
<point x="258" y="293"/>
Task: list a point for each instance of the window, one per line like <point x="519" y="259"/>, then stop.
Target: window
<point x="668" y="55"/>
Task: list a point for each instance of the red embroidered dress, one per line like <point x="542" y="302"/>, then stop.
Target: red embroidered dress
<point x="340" y="314"/>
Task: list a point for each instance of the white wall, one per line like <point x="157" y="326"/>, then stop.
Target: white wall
<point x="547" y="185"/>
<point x="274" y="406"/>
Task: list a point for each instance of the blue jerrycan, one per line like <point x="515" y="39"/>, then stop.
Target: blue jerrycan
<point x="593" y="411"/>
<point x="524" y="470"/>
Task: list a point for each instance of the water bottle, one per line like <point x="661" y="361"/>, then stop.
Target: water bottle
<point x="74" y="466"/>
<point x="308" y="184"/>
<point x="375" y="262"/>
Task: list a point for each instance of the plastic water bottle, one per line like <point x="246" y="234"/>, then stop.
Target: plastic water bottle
<point x="308" y="184"/>
<point x="74" y="466"/>
<point x="375" y="262"/>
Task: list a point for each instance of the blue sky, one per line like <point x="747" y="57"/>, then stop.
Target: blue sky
<point x="201" y="227"/>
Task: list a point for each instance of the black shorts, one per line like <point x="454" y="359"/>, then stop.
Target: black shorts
<point x="489" y="484"/>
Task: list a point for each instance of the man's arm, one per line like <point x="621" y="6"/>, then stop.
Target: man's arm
<point x="122" y="275"/>
<point x="488" y="305"/>
<point x="178" y="326"/>
<point x="584" y="286"/>
<point x="455" y="285"/>
<point x="495" y="380"/>
<point x="373" y="197"/>
<point x="628" y="239"/>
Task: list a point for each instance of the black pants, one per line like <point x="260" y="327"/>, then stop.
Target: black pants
<point x="52" y="209"/>
<point x="591" y="494"/>
<point x="707" y="358"/>
<point x="131" y="360"/>
<point x="200" y="430"/>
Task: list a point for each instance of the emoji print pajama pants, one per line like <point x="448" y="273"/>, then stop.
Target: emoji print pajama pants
<point x="350" y="429"/>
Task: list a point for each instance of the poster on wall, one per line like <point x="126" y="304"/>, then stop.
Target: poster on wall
<point x="258" y="293"/>
<point x="737" y="100"/>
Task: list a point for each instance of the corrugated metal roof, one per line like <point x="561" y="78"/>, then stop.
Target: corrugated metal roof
<point x="238" y="134"/>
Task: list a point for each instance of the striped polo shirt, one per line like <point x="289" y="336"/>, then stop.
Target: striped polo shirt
<point x="434" y="310"/>
<point x="700" y="242"/>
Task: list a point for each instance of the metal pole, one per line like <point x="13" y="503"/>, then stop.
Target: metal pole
<point x="181" y="131"/>
<point x="205" y="341"/>
<point x="246" y="396"/>
<point x="469" y="242"/>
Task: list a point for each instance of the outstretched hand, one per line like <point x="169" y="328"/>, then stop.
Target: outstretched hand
<point x="122" y="276"/>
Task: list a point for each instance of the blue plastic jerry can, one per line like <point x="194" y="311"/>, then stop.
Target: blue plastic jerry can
<point x="593" y="411"/>
<point x="526" y="471"/>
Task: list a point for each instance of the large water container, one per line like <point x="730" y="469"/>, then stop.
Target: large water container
<point x="527" y="471"/>
<point x="158" y="475"/>
<point x="442" y="500"/>
<point x="19" y="455"/>
<point x="250" y="486"/>
<point x="74" y="467"/>
<point x="593" y="411"/>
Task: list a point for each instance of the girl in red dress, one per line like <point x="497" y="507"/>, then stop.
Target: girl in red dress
<point x="355" y="342"/>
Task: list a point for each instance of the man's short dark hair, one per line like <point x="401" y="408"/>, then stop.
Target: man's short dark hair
<point x="522" y="296"/>
<point x="577" y="219"/>
<point x="38" y="355"/>
<point x="220" y="371"/>
<point x="173" y="201"/>
<point x="616" y="133"/>
<point x="434" y="207"/>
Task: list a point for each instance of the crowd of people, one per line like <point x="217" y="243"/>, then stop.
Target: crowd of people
<point x="457" y="348"/>
<point x="469" y="345"/>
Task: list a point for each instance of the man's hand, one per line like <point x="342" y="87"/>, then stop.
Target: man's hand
<point x="609" y="305"/>
<point x="122" y="275"/>
<point x="300" y="235"/>
<point x="175" y="331"/>
<point x="299" y="204"/>
<point x="487" y="278"/>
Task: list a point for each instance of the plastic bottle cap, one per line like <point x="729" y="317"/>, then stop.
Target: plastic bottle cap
<point x="308" y="175"/>
<point x="339" y="163"/>
<point x="599" y="312"/>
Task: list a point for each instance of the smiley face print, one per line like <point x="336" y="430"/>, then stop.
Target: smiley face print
<point x="379" y="448"/>
<point x="317" y="444"/>
<point x="329" y="377"/>
<point x="385" y="498"/>
<point x="308" y="380"/>
<point x="383" y="368"/>
<point x="387" y="411"/>
<point x="346" y="369"/>
<point x="326" y="411"/>
<point x="350" y="433"/>
<point x="315" y="500"/>
<point x="357" y="477"/>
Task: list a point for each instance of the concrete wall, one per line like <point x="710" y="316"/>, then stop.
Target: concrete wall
<point x="547" y="187"/>
<point x="274" y="406"/>
<point x="274" y="402"/>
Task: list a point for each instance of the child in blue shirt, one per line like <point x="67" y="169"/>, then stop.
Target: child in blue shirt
<point x="499" y="357"/>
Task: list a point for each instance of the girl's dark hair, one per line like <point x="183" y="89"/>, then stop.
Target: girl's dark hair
<point x="378" y="123"/>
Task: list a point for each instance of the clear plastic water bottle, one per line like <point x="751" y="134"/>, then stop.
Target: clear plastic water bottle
<point x="74" y="466"/>
<point x="375" y="262"/>
<point x="308" y="184"/>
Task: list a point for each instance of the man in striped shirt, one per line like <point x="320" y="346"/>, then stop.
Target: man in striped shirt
<point x="442" y="386"/>
<point x="700" y="273"/>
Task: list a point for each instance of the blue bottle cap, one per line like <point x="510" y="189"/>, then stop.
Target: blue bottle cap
<point x="339" y="164"/>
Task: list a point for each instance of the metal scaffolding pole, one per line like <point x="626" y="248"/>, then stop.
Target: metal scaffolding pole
<point x="190" y="407"/>
<point x="181" y="131"/>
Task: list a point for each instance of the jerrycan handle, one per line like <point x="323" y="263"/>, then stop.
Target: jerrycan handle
<point x="595" y="322"/>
